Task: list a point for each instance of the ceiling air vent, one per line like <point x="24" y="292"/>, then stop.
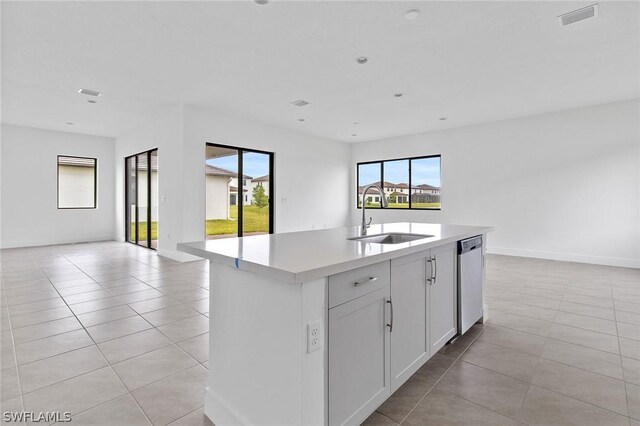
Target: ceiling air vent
<point x="579" y="15"/>
<point x="300" y="102"/>
<point x="89" y="92"/>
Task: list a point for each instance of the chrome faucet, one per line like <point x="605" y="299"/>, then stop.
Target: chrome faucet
<point x="383" y="203"/>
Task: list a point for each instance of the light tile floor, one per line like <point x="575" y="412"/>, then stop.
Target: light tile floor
<point x="561" y="346"/>
<point x="117" y="335"/>
<point x="110" y="332"/>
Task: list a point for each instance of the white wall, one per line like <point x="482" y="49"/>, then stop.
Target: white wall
<point x="162" y="131"/>
<point x="311" y="174"/>
<point x="563" y="186"/>
<point x="29" y="188"/>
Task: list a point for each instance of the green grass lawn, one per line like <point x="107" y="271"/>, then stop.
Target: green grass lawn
<point x="414" y="205"/>
<point x="255" y="220"/>
<point x="405" y="205"/>
<point x="143" y="231"/>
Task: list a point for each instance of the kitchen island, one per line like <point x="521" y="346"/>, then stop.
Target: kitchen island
<point x="318" y="327"/>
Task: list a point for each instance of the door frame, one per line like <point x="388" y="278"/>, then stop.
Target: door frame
<point x="240" y="197"/>
<point x="127" y="212"/>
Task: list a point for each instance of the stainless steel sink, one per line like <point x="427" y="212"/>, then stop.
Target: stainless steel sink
<point x="390" y="238"/>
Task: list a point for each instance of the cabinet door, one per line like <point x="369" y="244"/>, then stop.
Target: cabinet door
<point x="359" y="357"/>
<point x="409" y="345"/>
<point x="442" y="296"/>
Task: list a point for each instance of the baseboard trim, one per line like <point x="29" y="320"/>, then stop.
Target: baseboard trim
<point x="218" y="412"/>
<point x="566" y="257"/>
<point x="40" y="243"/>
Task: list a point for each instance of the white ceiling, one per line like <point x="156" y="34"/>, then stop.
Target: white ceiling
<point x="469" y="61"/>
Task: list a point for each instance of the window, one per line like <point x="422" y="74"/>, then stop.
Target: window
<point x="77" y="180"/>
<point x="368" y="173"/>
<point x="407" y="183"/>
<point x="239" y="185"/>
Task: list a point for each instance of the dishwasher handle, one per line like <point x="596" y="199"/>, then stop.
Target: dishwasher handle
<point x="470" y="244"/>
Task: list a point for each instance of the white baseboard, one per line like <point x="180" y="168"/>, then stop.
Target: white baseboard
<point x="177" y="255"/>
<point x="50" y="242"/>
<point x="566" y="257"/>
<point x="218" y="412"/>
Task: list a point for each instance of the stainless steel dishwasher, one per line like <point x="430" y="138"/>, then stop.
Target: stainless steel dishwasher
<point x="469" y="283"/>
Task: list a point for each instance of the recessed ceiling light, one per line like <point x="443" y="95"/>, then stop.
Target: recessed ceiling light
<point x="443" y="118"/>
<point x="92" y="101"/>
<point x="300" y="103"/>
<point x="89" y="92"/>
<point x="68" y="123"/>
<point x="412" y="14"/>
<point x="362" y="59"/>
<point x="579" y="15"/>
<point x="261" y="2"/>
<point x="398" y="95"/>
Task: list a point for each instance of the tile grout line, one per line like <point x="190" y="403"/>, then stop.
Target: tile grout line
<point x="98" y="348"/>
<point x="552" y="360"/>
<point x="191" y="412"/>
<point x="537" y="364"/>
<point x="624" y="381"/>
<point x="560" y="300"/>
<point x="15" y="356"/>
<point x="130" y="392"/>
<point x="113" y="369"/>
<point x="573" y="366"/>
<point x="440" y="378"/>
<point x="85" y="329"/>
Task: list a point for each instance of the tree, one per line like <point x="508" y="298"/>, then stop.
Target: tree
<point x="260" y="199"/>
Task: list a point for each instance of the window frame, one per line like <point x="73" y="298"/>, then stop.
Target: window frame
<point x="95" y="183"/>
<point x="381" y="162"/>
<point x="240" y="199"/>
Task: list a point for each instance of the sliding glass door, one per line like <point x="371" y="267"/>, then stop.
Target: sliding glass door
<point x="141" y="199"/>
<point x="239" y="190"/>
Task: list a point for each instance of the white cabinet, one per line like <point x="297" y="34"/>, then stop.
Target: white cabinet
<point x="385" y="321"/>
<point x="442" y="296"/>
<point x="409" y="337"/>
<point x="359" y="376"/>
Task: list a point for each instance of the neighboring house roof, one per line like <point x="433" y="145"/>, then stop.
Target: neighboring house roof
<point x="425" y="186"/>
<point x="371" y="191"/>
<point x="219" y="171"/>
<point x="264" y="178"/>
<point x="392" y="185"/>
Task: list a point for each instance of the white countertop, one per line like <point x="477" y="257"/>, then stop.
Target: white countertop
<point x="304" y="256"/>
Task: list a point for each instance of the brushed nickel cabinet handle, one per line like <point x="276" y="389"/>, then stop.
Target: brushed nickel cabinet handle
<point x="435" y="269"/>
<point x="370" y="280"/>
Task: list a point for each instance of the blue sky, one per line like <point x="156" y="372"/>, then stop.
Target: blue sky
<point x="426" y="170"/>
<point x="255" y="165"/>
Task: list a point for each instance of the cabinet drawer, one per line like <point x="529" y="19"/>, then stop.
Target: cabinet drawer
<point x="352" y="284"/>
